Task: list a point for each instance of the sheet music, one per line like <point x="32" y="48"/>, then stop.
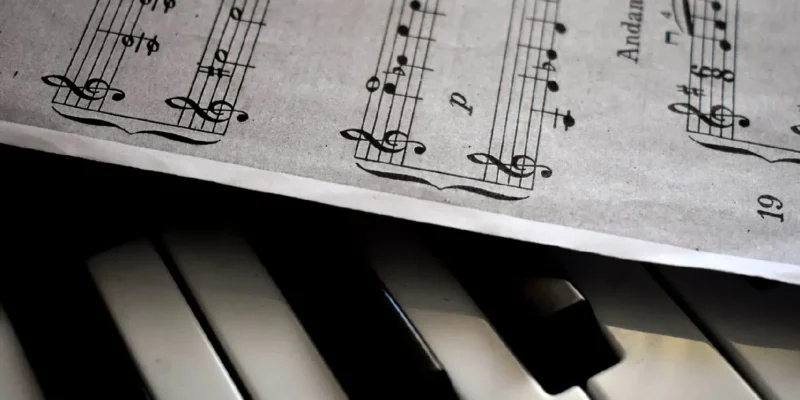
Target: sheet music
<point x="665" y="131"/>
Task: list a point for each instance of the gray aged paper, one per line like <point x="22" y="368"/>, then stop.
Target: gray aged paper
<point x="664" y="131"/>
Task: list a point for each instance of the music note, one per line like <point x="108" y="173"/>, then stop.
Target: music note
<point x="217" y="111"/>
<point x="547" y="66"/>
<point x="222" y="56"/>
<point x="796" y="129"/>
<point x="93" y="89"/>
<point x="550" y="84"/>
<point x="402" y="61"/>
<point x="724" y="44"/>
<point x="416" y="6"/>
<point x="719" y="117"/>
<point x="152" y="43"/>
<point x="567" y="119"/>
<point x="402" y="30"/>
<point x="373" y="84"/>
<point x="704" y="71"/>
<point x="168" y="4"/>
<point x="236" y="14"/>
<point x="521" y="166"/>
<point x="397" y="71"/>
<point x="558" y="26"/>
<point x="393" y="142"/>
<point x="715" y="5"/>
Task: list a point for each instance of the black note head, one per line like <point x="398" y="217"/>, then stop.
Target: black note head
<point x="389" y="88"/>
<point x="720" y="24"/>
<point x="552" y="86"/>
<point x="402" y="30"/>
<point x="552" y="54"/>
<point x="402" y="60"/>
<point x="725" y="45"/>
<point x="744" y="122"/>
<point x="569" y="120"/>
<point x="561" y="28"/>
<point x="415" y="5"/>
<point x="716" y="6"/>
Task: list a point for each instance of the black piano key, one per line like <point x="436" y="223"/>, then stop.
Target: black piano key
<point x="372" y="349"/>
<point x="66" y="333"/>
<point x="545" y="321"/>
<point x="67" y="209"/>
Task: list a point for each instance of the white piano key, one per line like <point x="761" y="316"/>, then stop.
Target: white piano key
<point x="760" y="329"/>
<point x="166" y="341"/>
<point x="17" y="381"/>
<point x="264" y="340"/>
<point x="665" y="356"/>
<point x="480" y="365"/>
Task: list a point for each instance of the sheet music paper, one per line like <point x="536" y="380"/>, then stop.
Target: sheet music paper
<point x="664" y="131"/>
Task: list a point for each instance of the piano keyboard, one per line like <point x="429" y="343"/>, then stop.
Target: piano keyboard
<point x="378" y="309"/>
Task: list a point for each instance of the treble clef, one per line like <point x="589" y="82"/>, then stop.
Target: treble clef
<point x="393" y="142"/>
<point x="217" y="111"/>
<point x="93" y="89"/>
<point x="719" y="117"/>
<point x="521" y="166"/>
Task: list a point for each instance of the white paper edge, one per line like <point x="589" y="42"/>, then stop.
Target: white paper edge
<point x="385" y="203"/>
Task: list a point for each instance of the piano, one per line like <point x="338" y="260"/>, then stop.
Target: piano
<point x="123" y="284"/>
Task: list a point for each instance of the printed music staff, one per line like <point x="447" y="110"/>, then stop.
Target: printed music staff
<point x="710" y="90"/>
<point x="113" y="32"/>
<point x="693" y="18"/>
<point x="509" y="162"/>
<point x="710" y="93"/>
